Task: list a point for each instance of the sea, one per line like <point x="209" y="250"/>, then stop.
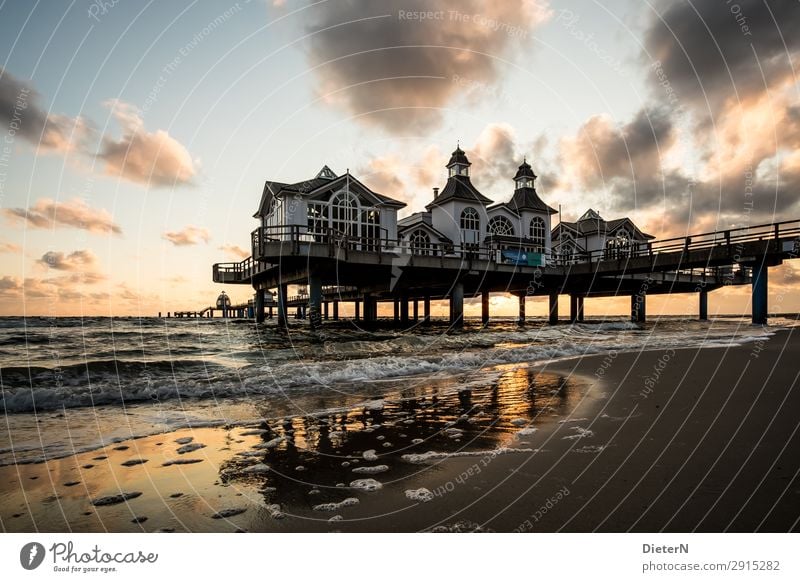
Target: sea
<point x="70" y="385"/>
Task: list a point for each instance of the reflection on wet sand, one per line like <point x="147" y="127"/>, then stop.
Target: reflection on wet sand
<point x="305" y="462"/>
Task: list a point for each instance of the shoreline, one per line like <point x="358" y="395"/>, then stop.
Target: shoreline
<point x="709" y="448"/>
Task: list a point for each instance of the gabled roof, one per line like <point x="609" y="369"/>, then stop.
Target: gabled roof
<point x="401" y="230"/>
<point x="592" y="223"/>
<point x="459" y="187"/>
<point x="271" y="190"/>
<point x="528" y="199"/>
<point x="324" y="179"/>
<point x="415" y="218"/>
<point x="380" y="199"/>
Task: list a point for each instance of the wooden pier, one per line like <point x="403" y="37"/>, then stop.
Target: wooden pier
<point x="336" y="267"/>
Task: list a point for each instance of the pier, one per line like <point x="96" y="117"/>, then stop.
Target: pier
<point x="342" y="242"/>
<point x="338" y="268"/>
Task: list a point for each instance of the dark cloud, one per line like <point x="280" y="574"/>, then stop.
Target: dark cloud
<point x="381" y="61"/>
<point x="719" y="50"/>
<point x="22" y="116"/>
<point x="603" y="154"/>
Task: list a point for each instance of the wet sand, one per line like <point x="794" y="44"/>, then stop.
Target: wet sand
<point x="682" y="440"/>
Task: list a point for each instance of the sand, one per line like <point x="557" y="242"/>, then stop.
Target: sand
<point x="686" y="440"/>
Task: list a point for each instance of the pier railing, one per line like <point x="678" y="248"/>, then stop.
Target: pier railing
<point x="293" y="238"/>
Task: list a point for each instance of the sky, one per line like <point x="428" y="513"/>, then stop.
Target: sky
<point x="135" y="137"/>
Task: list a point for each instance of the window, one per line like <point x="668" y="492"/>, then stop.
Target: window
<point x="420" y="243"/>
<point x="470" y="219"/>
<point x="371" y="228"/>
<point x="537" y="232"/>
<point x="500" y="226"/>
<point x="567" y="252"/>
<point x="344" y="213"/>
<point x="317" y="219"/>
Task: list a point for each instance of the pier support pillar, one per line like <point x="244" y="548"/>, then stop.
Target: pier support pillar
<point x="260" y="305"/>
<point x="357" y="309"/>
<point x="426" y="309"/>
<point x="416" y="310"/>
<point x="575" y="308"/>
<point x="457" y="306"/>
<point x="639" y="308"/>
<point x="703" y="305"/>
<point x="485" y="307"/>
<point x="404" y="310"/>
<point x="521" y="318"/>
<point x="283" y="319"/>
<point x="336" y="310"/>
<point x="396" y="310"/>
<point x="325" y="309"/>
<point x="760" y="287"/>
<point x="315" y="301"/>
<point x="553" y="309"/>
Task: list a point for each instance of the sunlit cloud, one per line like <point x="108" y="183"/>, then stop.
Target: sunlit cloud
<point x="151" y="158"/>
<point x="188" y="236"/>
<point x="75" y="213"/>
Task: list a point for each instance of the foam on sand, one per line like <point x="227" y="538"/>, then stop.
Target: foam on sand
<point x="580" y="433"/>
<point x="370" y="455"/>
<point x="434" y="455"/>
<point x="421" y="495"/>
<point x="366" y="484"/>
<point x="336" y="506"/>
<point x="371" y="470"/>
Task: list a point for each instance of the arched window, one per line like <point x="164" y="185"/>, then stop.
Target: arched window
<point x="500" y="226"/>
<point x="537" y="232"/>
<point x="567" y="252"/>
<point x="470" y="226"/>
<point x="420" y="243"/>
<point x="344" y="213"/>
<point x="470" y="219"/>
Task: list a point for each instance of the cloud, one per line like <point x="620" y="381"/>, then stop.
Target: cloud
<point x="21" y="115"/>
<point x="10" y="248"/>
<point x="235" y="251"/>
<point x="75" y="261"/>
<point x="711" y="52"/>
<point x="380" y="61"/>
<point x="155" y="159"/>
<point x="80" y="268"/>
<point x="75" y="213"/>
<point x="190" y="235"/>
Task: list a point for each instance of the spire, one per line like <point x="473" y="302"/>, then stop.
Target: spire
<point x="524" y="178"/>
<point x="458" y="164"/>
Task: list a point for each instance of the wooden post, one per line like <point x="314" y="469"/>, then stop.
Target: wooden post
<point x="521" y="318"/>
<point x="260" y="305"/>
<point x="335" y="310"/>
<point x="760" y="292"/>
<point x="485" y="308"/>
<point x="416" y="309"/>
<point x="457" y="306"/>
<point x="315" y="301"/>
<point x="426" y="309"/>
<point x="325" y="308"/>
<point x="553" y="317"/>
<point x="404" y="310"/>
<point x="639" y="308"/>
<point x="703" y="305"/>
<point x="283" y="319"/>
<point x="573" y="308"/>
<point x="580" y="307"/>
<point x="396" y="310"/>
<point x="357" y="309"/>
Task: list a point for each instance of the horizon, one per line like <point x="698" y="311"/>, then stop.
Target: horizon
<point x="121" y="187"/>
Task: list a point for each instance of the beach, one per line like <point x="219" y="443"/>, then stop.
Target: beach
<point x="665" y="439"/>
